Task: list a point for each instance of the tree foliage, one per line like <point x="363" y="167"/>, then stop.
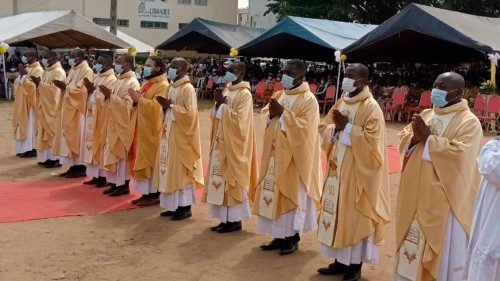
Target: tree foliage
<point x="373" y="11"/>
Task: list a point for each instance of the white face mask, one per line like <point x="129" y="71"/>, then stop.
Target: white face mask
<point x="348" y="85"/>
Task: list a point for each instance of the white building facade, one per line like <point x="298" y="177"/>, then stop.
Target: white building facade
<point x="256" y="18"/>
<point x="147" y="29"/>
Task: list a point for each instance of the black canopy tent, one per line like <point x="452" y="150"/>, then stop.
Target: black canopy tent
<point x="209" y="37"/>
<point x="429" y="35"/>
<point x="305" y="38"/>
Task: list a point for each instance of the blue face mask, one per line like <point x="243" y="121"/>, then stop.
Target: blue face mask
<point x="172" y="73"/>
<point x="118" y="68"/>
<point x="71" y="62"/>
<point x="147" y="71"/>
<point x="98" y="67"/>
<point x="45" y="62"/>
<point x="438" y="97"/>
<point x="230" y="77"/>
<point x="287" y="82"/>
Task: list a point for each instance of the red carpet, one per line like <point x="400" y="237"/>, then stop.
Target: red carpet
<point x="46" y="199"/>
<point x="31" y="200"/>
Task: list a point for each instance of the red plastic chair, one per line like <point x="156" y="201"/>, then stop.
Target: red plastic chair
<point x="208" y="88"/>
<point x="313" y="87"/>
<point x="330" y="95"/>
<point x="424" y="103"/>
<point x="490" y="117"/>
<point x="480" y="104"/>
<point x="278" y="87"/>
<point x="397" y="103"/>
<point x="260" y="89"/>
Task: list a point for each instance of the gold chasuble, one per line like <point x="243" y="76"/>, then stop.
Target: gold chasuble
<point x="355" y="201"/>
<point x="74" y="103"/>
<point x="49" y="110"/>
<point x="26" y="98"/>
<point x="147" y="123"/>
<point x="233" y="153"/>
<point x="429" y="190"/>
<point x="179" y="158"/>
<point x="291" y="157"/>
<point x="119" y="136"/>
<point x="96" y="119"/>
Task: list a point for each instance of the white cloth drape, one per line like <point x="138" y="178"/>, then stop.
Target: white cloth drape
<point x="483" y="257"/>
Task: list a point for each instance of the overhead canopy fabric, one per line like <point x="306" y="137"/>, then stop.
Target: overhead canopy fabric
<point x="210" y="37"/>
<point x="139" y="45"/>
<point x="305" y="38"/>
<point x="57" y="29"/>
<point x="426" y="34"/>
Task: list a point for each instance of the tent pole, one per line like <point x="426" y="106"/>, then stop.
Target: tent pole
<point x="5" y="76"/>
<point x="338" y="82"/>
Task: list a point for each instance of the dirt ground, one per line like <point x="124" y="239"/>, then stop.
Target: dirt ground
<point x="140" y="245"/>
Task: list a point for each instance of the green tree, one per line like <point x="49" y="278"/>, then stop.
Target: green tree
<point x="373" y="11"/>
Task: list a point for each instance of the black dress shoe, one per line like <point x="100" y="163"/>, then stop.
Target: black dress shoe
<point x="18" y="154"/>
<point x="137" y="200"/>
<point x="92" y="181"/>
<point x="215" y="228"/>
<point x="353" y="272"/>
<point x="43" y="163"/>
<point x="28" y="154"/>
<point x="289" y="248"/>
<point x="335" y="268"/>
<point x="52" y="164"/>
<point x="230" y="227"/>
<point x="182" y="213"/>
<point x="76" y="174"/>
<point x="275" y="244"/>
<point x="290" y="245"/>
<point x="167" y="214"/>
<point x="70" y="170"/>
<point x="119" y="191"/>
<point x="109" y="190"/>
<point x="103" y="184"/>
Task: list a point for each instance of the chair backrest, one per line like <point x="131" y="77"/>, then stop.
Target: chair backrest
<point x="210" y="83"/>
<point x="480" y="103"/>
<point x="313" y="87"/>
<point x="493" y="104"/>
<point x="278" y="87"/>
<point x="425" y="99"/>
<point x="330" y="92"/>
<point x="260" y="89"/>
<point x="399" y="96"/>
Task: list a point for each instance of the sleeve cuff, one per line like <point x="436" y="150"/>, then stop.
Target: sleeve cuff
<point x="282" y="124"/>
<point x="345" y="135"/>
<point x="218" y="112"/>
<point x="425" y="154"/>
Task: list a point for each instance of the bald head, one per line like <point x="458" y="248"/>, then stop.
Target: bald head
<point x="50" y="55"/>
<point x="359" y="70"/>
<point x="78" y="54"/>
<point x="453" y="83"/>
<point x="451" y="80"/>
<point x="237" y="67"/>
<point x="31" y="56"/>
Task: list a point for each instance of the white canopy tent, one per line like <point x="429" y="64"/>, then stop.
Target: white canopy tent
<point x="57" y="29"/>
<point x="139" y="45"/>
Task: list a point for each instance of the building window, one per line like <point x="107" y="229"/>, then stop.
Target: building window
<point x="181" y="25"/>
<point x="200" y="2"/>
<point x="185" y="2"/>
<point x="107" y="22"/>
<point x="154" y="24"/>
